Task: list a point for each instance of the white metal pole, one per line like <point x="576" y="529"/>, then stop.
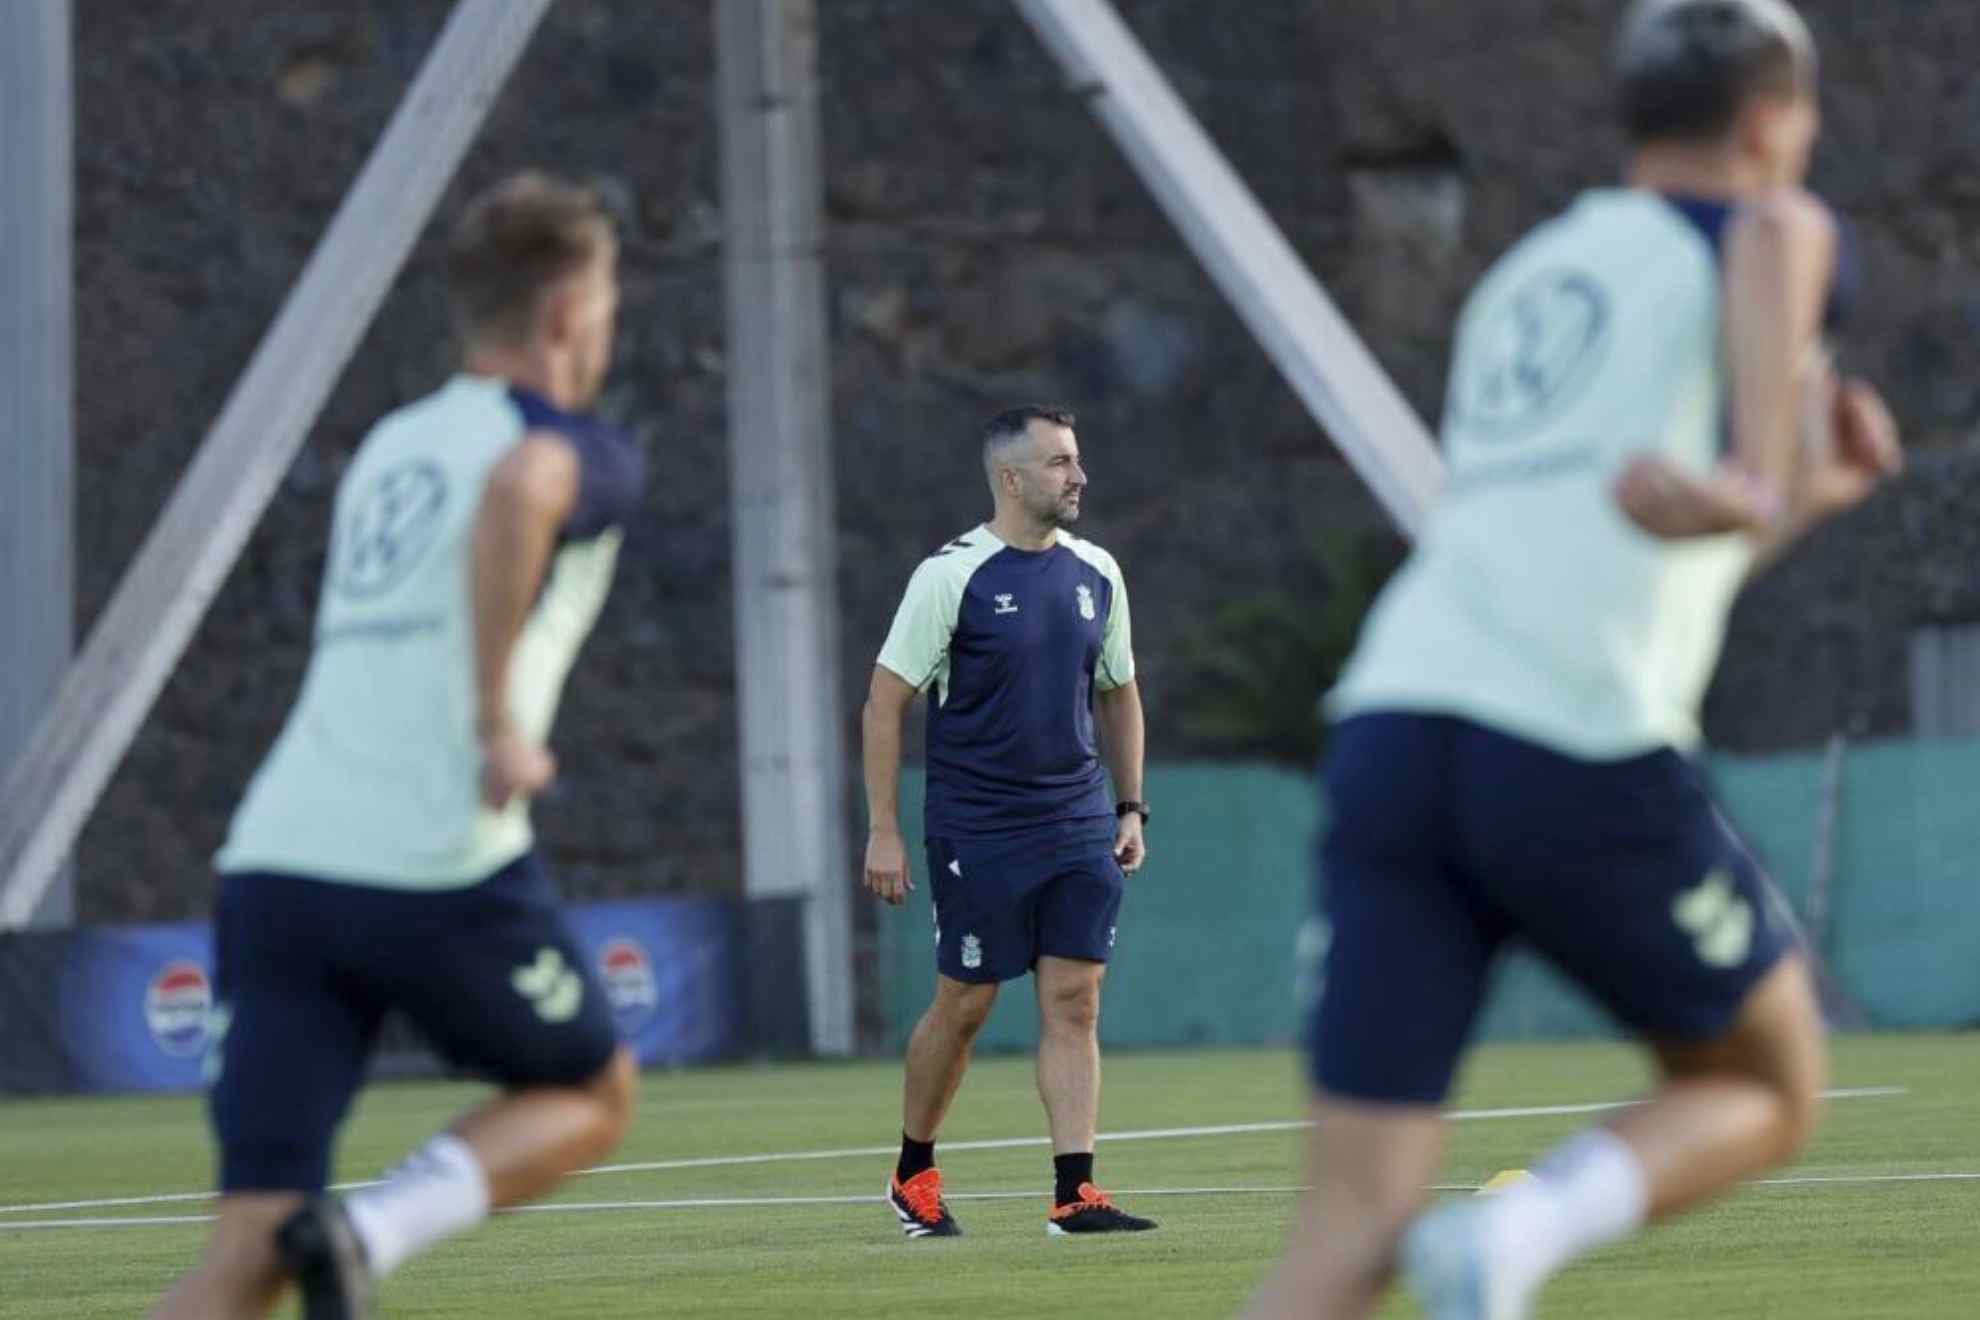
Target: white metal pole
<point x="37" y="422"/>
<point x="793" y="754"/>
<point x="180" y="567"/>
<point x="1317" y="351"/>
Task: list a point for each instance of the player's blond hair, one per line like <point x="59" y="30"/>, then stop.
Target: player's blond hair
<point x="514" y="242"/>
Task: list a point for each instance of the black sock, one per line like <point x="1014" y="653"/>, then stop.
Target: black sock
<point x="916" y="1157"/>
<point x="1068" y="1172"/>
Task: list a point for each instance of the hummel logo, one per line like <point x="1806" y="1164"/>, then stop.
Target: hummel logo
<point x="955" y="865"/>
<point x="1006" y="603"/>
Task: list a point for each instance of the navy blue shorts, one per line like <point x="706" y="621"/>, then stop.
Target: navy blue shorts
<point x="1445" y="840"/>
<point x="306" y="971"/>
<point x="1003" y="903"/>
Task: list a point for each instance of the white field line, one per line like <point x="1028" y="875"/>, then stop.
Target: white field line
<point x="1147" y="1134"/>
<point x="773" y="1202"/>
<point x="875" y="1152"/>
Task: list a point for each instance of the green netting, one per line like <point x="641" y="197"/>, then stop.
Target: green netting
<point x="1207" y="936"/>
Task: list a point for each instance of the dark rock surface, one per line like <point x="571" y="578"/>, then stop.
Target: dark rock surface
<point x="986" y="244"/>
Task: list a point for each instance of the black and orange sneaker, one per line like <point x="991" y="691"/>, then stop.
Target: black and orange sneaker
<point x="1093" y="1212"/>
<point x="918" y="1204"/>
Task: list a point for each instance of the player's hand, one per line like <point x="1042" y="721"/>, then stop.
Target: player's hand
<point x="886" y="867"/>
<point x="513" y="766"/>
<point x="1866" y="433"/>
<point x="1130" y="848"/>
<point x="1863" y="450"/>
<point x="1671" y="504"/>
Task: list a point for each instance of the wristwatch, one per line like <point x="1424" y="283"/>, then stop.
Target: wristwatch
<point x="1138" y="808"/>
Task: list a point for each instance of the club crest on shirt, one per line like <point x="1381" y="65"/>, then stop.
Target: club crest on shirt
<point x="1085" y="594"/>
<point x="1006" y="603"/>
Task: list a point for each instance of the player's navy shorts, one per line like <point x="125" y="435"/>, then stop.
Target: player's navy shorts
<point x="1003" y="903"/>
<point x="1445" y="840"/>
<point x="306" y="970"/>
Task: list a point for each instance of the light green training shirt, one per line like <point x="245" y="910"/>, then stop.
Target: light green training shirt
<point x="1531" y="605"/>
<point x="375" y="778"/>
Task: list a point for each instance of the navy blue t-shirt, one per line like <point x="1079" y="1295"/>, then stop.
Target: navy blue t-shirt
<point x="1011" y="645"/>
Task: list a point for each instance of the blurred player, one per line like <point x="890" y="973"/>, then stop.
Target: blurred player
<point x="383" y="857"/>
<point x="1512" y="757"/>
<point x="1020" y="629"/>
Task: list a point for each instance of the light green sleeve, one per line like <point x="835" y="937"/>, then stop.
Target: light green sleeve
<point x="917" y="646"/>
<point x="1116" y="667"/>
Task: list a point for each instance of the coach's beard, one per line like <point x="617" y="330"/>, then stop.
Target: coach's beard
<point x="1066" y="512"/>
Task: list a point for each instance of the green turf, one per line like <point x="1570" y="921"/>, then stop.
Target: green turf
<point x="1837" y="1249"/>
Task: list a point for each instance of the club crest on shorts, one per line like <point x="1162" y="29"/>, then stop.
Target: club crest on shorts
<point x="1718" y="920"/>
<point x="972" y="951"/>
<point x="630" y="985"/>
<point x="1085" y="594"/>
<point x="551" y="987"/>
<point x="176" y="1007"/>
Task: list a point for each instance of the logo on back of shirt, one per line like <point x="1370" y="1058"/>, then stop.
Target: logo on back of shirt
<point x="389" y="528"/>
<point x="1534" y="355"/>
<point x="1006" y="603"/>
<point x="1085" y="594"/>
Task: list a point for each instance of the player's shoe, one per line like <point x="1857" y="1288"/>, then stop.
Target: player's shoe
<point x="1093" y="1212"/>
<point x="1449" y="1265"/>
<point x="918" y="1204"/>
<point x="320" y="1248"/>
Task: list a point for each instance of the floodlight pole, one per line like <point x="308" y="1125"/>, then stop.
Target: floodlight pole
<point x="792" y="725"/>
<point x="163" y="595"/>
<point x="37" y="366"/>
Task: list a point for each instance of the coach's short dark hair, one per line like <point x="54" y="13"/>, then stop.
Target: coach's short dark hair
<point x="1012" y="423"/>
<point x="1685" y="67"/>
<point x="515" y="241"/>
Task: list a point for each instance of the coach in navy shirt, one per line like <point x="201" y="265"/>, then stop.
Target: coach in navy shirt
<point x="1017" y="630"/>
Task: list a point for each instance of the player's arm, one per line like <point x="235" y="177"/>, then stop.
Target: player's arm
<point x="528" y="498"/>
<point x="1804" y="447"/>
<point x="887" y="700"/>
<point x="1122" y="735"/>
<point x="1122" y="739"/>
<point x="1780" y="264"/>
<point x="915" y="652"/>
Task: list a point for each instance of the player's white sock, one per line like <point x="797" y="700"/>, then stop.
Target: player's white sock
<point x="1588" y="1192"/>
<point x="439" y="1190"/>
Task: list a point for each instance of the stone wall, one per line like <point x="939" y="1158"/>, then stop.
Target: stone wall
<point x="986" y="245"/>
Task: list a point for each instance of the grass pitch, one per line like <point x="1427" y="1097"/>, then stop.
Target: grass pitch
<point x="1866" y="1226"/>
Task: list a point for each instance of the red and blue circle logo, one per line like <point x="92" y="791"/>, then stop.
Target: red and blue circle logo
<point x="176" y="1006"/>
<point x="630" y="985"/>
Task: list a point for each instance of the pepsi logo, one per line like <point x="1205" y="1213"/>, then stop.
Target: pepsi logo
<point x="176" y="1004"/>
<point x="630" y="985"/>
